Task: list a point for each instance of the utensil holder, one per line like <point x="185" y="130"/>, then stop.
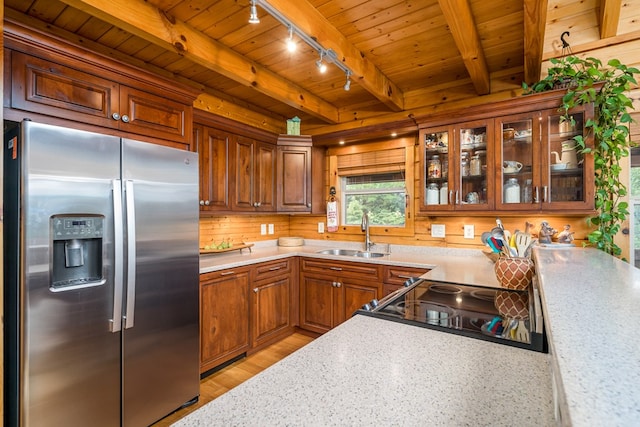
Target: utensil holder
<point x="514" y="273"/>
<point x="512" y="305"/>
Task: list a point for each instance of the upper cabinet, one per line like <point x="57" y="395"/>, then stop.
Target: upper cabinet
<point x="456" y="176"/>
<point x="59" y="83"/>
<point x="525" y="161"/>
<point x="253" y="175"/>
<point x="294" y="173"/>
<point x="241" y="170"/>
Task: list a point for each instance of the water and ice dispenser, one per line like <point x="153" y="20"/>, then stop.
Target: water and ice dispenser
<point x="77" y="252"/>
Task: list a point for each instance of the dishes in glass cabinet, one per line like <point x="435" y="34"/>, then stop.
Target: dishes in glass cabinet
<point x="522" y="134"/>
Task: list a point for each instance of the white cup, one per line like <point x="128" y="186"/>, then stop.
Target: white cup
<point x="511" y="166"/>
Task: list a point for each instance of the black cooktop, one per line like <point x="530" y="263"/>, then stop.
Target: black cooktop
<point x="497" y="315"/>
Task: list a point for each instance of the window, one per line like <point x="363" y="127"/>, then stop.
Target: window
<point x="382" y="195"/>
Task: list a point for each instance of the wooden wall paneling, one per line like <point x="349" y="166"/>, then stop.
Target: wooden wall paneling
<point x="241" y="228"/>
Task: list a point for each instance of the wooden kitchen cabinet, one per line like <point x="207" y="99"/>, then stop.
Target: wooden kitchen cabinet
<point x="485" y="163"/>
<point x="272" y="286"/>
<point x="331" y="291"/>
<point x="253" y="169"/>
<point x="73" y="91"/>
<point x="213" y="155"/>
<point x="224" y="316"/>
<point x="294" y="173"/>
<point x="538" y="144"/>
<point x="395" y="276"/>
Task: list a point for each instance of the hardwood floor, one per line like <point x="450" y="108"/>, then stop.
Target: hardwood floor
<point x="236" y="373"/>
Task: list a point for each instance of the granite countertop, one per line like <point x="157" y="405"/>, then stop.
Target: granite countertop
<point x="369" y="371"/>
<point x="592" y="313"/>
<point x="465" y="266"/>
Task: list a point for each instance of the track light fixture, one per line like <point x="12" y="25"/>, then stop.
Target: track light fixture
<point x="291" y="45"/>
<point x="321" y="65"/>
<point x="253" y="18"/>
<point x="328" y="55"/>
<point x="347" y="84"/>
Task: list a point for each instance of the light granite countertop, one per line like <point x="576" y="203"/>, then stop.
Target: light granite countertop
<point x="369" y="371"/>
<point x="466" y="266"/>
<point x="592" y="313"/>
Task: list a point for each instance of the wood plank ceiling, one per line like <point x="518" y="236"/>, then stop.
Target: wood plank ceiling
<point x="409" y="58"/>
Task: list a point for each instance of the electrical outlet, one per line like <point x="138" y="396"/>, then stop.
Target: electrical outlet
<point x="468" y="231"/>
<point x="263" y="229"/>
<point x="321" y="227"/>
<point x="437" y="230"/>
<point x="271" y="229"/>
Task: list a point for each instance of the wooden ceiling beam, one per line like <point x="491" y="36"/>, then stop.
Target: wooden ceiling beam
<point x="535" y="21"/>
<point x="609" y="18"/>
<point x="463" y="29"/>
<point x="145" y="21"/>
<point x="309" y="20"/>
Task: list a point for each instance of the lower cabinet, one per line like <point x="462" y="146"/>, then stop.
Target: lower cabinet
<point x="331" y="291"/>
<point x="272" y="285"/>
<point x="224" y="316"/>
<point x="394" y="277"/>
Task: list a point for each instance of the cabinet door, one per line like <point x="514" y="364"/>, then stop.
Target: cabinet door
<point x="294" y="179"/>
<point x="52" y="89"/>
<point x="224" y="322"/>
<point x="567" y="176"/>
<point x="270" y="309"/>
<point x="518" y="161"/>
<point x="437" y="173"/>
<point x="355" y="295"/>
<point x="213" y="153"/>
<point x="474" y="176"/>
<point x="319" y="310"/>
<point x="242" y="165"/>
<point x="265" y="177"/>
<point x="151" y="115"/>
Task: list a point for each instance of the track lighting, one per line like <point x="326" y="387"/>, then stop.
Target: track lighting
<point x="291" y="45"/>
<point x="321" y="65"/>
<point x="253" y="18"/>
<point x="347" y="84"/>
<point x="327" y="56"/>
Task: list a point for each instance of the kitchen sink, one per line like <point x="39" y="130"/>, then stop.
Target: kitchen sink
<point x="351" y="252"/>
<point x="344" y="252"/>
<point x="370" y="254"/>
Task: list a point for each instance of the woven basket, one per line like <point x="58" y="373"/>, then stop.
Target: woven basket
<point x="512" y="305"/>
<point x="514" y="273"/>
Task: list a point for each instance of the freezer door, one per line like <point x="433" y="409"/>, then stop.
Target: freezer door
<point x="161" y="340"/>
<point x="70" y="360"/>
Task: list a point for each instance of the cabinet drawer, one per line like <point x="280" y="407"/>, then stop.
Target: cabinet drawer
<point x="343" y="269"/>
<point x="221" y="274"/>
<point x="398" y="275"/>
<point x="270" y="269"/>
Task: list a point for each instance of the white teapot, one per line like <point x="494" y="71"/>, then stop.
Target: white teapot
<point x="569" y="155"/>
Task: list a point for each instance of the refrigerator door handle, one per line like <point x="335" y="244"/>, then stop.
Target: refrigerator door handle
<point x="131" y="254"/>
<point x="118" y="244"/>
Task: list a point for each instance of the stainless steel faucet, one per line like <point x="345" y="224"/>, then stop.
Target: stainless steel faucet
<point x="365" y="227"/>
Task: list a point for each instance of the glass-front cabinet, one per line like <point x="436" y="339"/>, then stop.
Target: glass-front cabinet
<point x="568" y="178"/>
<point x="458" y="173"/>
<point x="518" y="161"/>
<point x="526" y="161"/>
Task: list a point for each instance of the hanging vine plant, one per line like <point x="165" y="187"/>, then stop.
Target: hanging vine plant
<point x="587" y="81"/>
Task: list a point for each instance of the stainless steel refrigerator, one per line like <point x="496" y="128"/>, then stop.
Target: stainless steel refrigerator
<point x="101" y="278"/>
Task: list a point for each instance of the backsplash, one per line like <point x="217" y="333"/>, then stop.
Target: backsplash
<point x="247" y="229"/>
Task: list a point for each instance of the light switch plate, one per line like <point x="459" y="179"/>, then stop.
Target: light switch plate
<point x="468" y="231"/>
<point x="263" y="229"/>
<point x="437" y="230"/>
<point x="321" y="227"/>
<point x="271" y="229"/>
